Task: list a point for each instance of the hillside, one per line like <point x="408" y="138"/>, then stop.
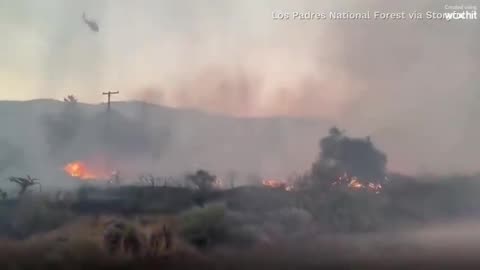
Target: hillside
<point x="178" y="139"/>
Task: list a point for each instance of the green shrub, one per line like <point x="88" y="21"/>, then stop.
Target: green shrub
<point x="204" y="227"/>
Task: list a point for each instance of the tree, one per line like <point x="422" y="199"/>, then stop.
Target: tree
<point x="24" y="183"/>
<point x="149" y="180"/>
<point x="341" y="154"/>
<point x="202" y="180"/>
<point x="70" y="99"/>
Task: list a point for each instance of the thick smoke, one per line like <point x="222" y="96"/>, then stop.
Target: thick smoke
<point x="62" y="128"/>
<point x="399" y="79"/>
<point x="410" y="75"/>
<point x="411" y="85"/>
<point x="11" y="156"/>
<point x="74" y="133"/>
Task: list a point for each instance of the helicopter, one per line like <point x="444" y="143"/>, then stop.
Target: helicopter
<point x="91" y="23"/>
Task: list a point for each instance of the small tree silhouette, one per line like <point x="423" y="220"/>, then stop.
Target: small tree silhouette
<point x="70" y="99"/>
<point x="202" y="180"/>
<point x="149" y="179"/>
<point x="24" y="183"/>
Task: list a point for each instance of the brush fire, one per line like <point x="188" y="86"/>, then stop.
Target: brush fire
<point x="354" y="183"/>
<point x="277" y="184"/>
<point x="80" y="170"/>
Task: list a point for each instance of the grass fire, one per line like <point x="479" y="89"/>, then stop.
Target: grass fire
<point x="355" y="183"/>
<point x="80" y="170"/>
<point x="277" y="184"/>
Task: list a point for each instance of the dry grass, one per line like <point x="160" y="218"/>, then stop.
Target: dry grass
<point x="78" y="245"/>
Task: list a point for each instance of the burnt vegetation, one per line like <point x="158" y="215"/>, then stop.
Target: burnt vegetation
<point x="24" y="183"/>
<point x="147" y="222"/>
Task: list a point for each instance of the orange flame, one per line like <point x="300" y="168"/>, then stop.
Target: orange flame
<point x="354" y="183"/>
<point x="277" y="184"/>
<point x="79" y="169"/>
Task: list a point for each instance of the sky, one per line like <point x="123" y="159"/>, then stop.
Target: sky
<point x="412" y="84"/>
<point x="182" y="53"/>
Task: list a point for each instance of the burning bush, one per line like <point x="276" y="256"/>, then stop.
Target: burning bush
<point x="80" y="170"/>
<point x="277" y="184"/>
<point x="356" y="157"/>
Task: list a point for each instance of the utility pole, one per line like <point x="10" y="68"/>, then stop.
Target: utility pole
<point x="107" y="128"/>
<point x="108" y="94"/>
